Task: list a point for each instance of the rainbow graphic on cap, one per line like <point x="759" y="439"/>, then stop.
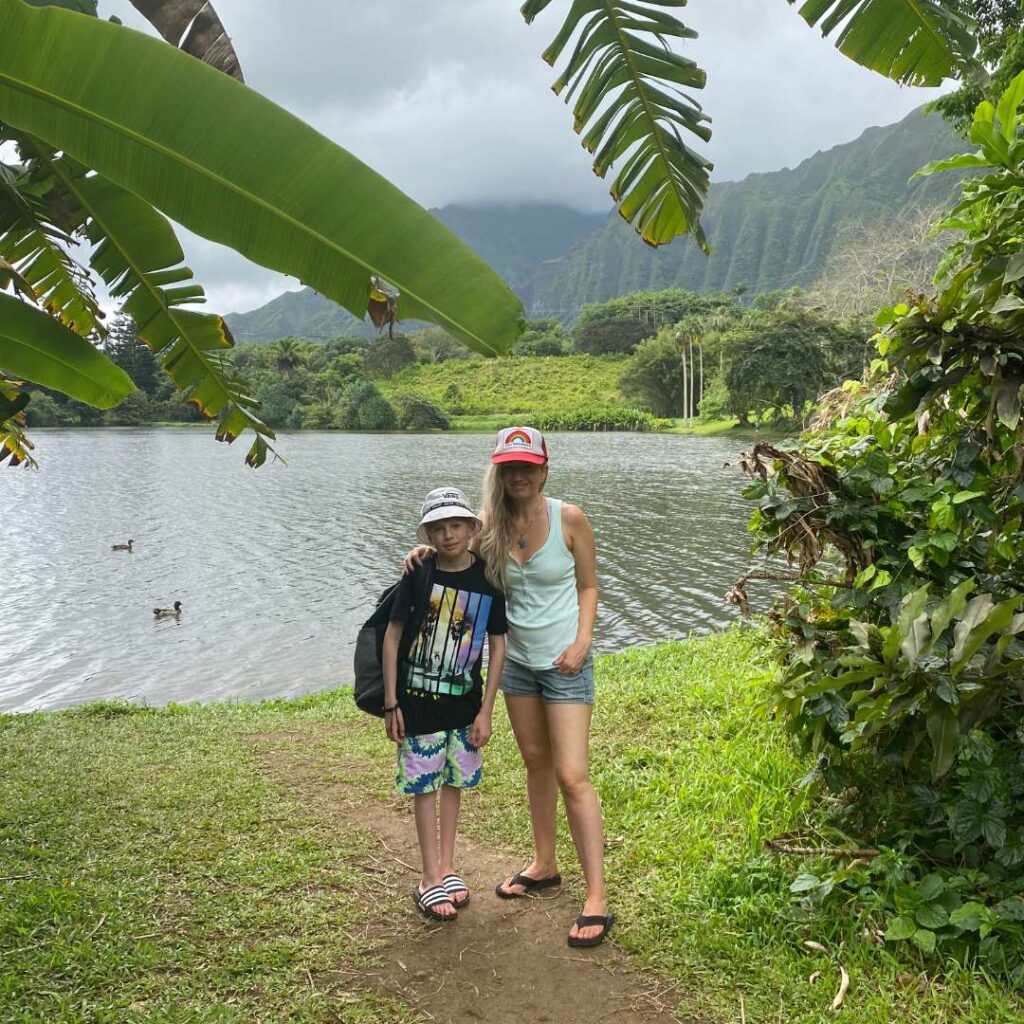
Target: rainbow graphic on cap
<point x="520" y="444"/>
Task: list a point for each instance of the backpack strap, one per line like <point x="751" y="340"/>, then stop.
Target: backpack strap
<point x="424" y="577"/>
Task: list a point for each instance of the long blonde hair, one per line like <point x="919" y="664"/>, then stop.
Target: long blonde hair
<point x="496" y="534"/>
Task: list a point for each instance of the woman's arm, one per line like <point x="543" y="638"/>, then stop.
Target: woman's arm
<point x="579" y="538"/>
<point x="481" y="731"/>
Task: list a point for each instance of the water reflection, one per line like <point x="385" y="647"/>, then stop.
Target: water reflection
<point x="277" y="568"/>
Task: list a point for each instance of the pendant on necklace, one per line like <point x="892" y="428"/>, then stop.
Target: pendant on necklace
<point x="521" y="543"/>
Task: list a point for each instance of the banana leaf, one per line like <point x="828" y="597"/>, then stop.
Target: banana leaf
<point x="914" y="42"/>
<point x="138" y="256"/>
<point x="36" y="250"/>
<point x="630" y="108"/>
<point x="36" y="347"/>
<point x="193" y="26"/>
<point x="233" y="167"/>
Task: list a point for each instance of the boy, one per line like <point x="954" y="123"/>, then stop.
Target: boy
<point x="434" y="707"/>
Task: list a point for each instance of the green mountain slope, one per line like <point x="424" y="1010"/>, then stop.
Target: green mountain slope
<point x="515" y="240"/>
<point x="769" y="230"/>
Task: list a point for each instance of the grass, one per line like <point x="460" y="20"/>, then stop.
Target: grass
<point x="512" y="387"/>
<point x="150" y="871"/>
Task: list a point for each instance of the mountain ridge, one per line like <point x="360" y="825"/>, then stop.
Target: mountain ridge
<point x="771" y="229"/>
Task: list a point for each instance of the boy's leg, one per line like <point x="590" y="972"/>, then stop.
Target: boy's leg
<point x="420" y="768"/>
<point x="463" y="769"/>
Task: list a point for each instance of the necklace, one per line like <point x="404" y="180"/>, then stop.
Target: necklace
<point x="521" y="541"/>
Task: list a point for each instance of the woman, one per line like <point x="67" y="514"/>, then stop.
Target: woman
<point x="540" y="552"/>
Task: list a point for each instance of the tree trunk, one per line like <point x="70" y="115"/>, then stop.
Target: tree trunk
<point x="700" y="390"/>
<point x="685" y="381"/>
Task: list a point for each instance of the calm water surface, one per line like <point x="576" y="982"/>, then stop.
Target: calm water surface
<point x="277" y="568"/>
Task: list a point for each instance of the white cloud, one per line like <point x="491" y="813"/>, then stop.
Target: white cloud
<point x="450" y="100"/>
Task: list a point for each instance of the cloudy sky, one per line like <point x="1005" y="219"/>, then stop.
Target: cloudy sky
<point x="450" y="100"/>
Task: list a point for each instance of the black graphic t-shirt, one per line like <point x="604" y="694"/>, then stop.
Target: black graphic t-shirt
<point x="440" y="685"/>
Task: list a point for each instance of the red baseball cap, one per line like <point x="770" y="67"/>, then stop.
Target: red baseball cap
<point x="520" y="444"/>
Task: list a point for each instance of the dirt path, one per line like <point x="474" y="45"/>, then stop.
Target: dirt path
<point x="501" y="961"/>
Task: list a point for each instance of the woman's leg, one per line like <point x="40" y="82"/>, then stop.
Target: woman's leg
<point x="569" y="731"/>
<point x="530" y="727"/>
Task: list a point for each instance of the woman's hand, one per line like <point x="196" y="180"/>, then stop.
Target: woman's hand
<point x="414" y="557"/>
<point x="395" y="725"/>
<point x="480" y="731"/>
<point x="571" y="660"/>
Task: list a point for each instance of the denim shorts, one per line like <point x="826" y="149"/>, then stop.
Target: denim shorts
<point x="552" y="686"/>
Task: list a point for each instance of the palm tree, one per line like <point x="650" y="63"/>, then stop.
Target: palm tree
<point x="91" y="164"/>
<point x="288" y="353"/>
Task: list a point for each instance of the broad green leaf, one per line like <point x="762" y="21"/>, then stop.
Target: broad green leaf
<point x="951" y="607"/>
<point x="931" y="916"/>
<point x="915" y="42"/>
<point x="910" y="608"/>
<point x="1008" y="402"/>
<point x="804" y="883"/>
<point x="975" y="629"/>
<point x="900" y="928"/>
<point x="1014" y="269"/>
<point x="15" y="447"/>
<point x="944" y="732"/>
<point x="36" y="347"/>
<point x="924" y="940"/>
<point x="230" y="165"/>
<point x="38" y="249"/>
<point x="137" y="254"/>
<point x="969" y="917"/>
<point x="930" y="887"/>
<point x="953" y="163"/>
<point x="1008" y="105"/>
<point x="629" y="107"/>
<point x="915" y="642"/>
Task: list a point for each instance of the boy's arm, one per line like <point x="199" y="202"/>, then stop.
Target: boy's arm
<point x="389" y="664"/>
<point x="481" y="731"/>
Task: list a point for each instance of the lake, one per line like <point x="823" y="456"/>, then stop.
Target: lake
<point x="277" y="568"/>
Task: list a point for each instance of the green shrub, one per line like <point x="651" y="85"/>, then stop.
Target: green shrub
<point x="418" y="413"/>
<point x="904" y="667"/>
<point x="608" y="417"/>
<point x="363" y="407"/>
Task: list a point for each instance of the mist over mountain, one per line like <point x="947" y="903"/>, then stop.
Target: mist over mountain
<point x="768" y="231"/>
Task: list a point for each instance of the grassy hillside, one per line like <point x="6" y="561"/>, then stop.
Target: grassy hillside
<point x="518" y="385"/>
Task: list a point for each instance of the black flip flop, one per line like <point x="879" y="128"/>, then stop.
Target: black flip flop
<point x="583" y="921"/>
<point x="426" y="901"/>
<point x="529" y="885"/>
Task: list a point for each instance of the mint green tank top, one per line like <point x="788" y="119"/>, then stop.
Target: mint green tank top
<point x="542" y="605"/>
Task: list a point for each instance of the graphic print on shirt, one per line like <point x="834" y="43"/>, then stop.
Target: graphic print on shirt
<point x="449" y="642"/>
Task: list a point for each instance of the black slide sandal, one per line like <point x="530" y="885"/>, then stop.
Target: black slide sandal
<point x="426" y="901"/>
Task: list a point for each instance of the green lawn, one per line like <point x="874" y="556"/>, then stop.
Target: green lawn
<point x="511" y="387"/>
<point x="151" y="870"/>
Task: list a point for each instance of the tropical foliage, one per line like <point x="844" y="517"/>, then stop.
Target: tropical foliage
<point x="64" y="100"/>
<point x="901" y="516"/>
<point x="112" y="126"/>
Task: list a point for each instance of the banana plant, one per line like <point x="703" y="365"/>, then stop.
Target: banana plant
<point x="181" y="140"/>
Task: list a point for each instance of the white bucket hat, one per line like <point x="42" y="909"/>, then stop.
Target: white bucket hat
<point x="443" y="503"/>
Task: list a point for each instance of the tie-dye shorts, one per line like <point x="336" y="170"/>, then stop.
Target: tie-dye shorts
<point x="436" y="759"/>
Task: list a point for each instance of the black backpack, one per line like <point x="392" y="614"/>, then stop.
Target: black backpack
<point x="369" y="657"/>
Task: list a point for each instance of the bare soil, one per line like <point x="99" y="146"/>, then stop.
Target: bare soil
<point x="501" y="961"/>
